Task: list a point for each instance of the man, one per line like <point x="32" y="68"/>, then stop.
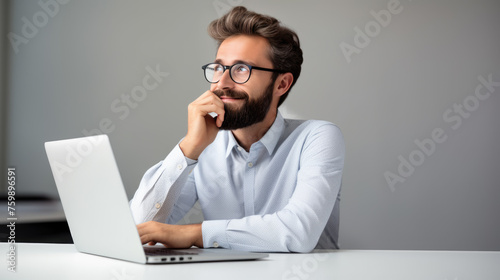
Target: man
<point x="264" y="183"/>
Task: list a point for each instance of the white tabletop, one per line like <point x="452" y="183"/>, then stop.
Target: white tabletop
<point x="62" y="261"/>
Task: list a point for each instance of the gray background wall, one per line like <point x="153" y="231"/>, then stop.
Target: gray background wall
<point x="3" y="86"/>
<point x="402" y="83"/>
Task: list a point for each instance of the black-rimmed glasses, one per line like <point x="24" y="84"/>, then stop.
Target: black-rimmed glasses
<point x="239" y="72"/>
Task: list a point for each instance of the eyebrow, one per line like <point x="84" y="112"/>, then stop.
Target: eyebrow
<point x="235" y="62"/>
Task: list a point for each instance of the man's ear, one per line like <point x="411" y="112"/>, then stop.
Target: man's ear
<point x="283" y="83"/>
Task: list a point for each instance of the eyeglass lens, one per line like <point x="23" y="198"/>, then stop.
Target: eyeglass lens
<point x="240" y="73"/>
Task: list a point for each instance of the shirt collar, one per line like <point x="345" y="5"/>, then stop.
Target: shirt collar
<point x="273" y="135"/>
<point x="231" y="142"/>
<point x="269" y="140"/>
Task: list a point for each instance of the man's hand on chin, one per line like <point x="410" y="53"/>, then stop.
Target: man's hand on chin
<point x="171" y="236"/>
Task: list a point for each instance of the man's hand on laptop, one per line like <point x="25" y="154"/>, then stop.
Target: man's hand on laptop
<point x="171" y="236"/>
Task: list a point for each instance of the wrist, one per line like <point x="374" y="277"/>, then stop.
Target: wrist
<point x="189" y="150"/>
<point x="197" y="235"/>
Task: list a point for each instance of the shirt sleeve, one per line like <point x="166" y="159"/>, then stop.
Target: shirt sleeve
<point x="298" y="226"/>
<point x="166" y="191"/>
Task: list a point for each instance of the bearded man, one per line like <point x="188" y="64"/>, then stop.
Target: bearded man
<point x="264" y="183"/>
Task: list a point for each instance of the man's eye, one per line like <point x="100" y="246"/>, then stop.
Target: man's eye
<point x="242" y="69"/>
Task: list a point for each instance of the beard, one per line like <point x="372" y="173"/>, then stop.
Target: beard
<point x="251" y="112"/>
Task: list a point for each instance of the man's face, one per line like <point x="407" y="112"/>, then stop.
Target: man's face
<point x="248" y="103"/>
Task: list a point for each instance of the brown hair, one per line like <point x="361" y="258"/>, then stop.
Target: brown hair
<point x="285" y="53"/>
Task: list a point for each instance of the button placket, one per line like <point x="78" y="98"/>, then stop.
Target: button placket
<point x="249" y="182"/>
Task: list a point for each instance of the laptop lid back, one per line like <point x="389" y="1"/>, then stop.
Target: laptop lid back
<point x="93" y="198"/>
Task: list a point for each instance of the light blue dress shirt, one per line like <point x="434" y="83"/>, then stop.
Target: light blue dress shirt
<point x="281" y="196"/>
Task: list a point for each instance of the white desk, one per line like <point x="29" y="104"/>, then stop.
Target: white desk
<point x="62" y="261"/>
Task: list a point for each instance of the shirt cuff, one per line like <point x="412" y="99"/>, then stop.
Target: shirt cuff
<point x="214" y="234"/>
<point x="190" y="161"/>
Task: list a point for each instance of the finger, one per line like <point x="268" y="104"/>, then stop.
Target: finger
<point x="149" y="238"/>
<point x="146" y="231"/>
<point x="207" y="97"/>
<point x="220" y="120"/>
<point x="207" y="93"/>
<point x="219" y="109"/>
<point x="144" y="227"/>
<point x="213" y="100"/>
<point x="207" y="110"/>
<point x="220" y="112"/>
<point x="203" y="96"/>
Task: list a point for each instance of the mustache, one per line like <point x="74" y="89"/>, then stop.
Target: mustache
<point x="231" y="93"/>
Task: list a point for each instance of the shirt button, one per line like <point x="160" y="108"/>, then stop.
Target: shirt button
<point x="179" y="166"/>
<point x="240" y="148"/>
<point x="216" y="245"/>
<point x="250" y="164"/>
<point x="158" y="205"/>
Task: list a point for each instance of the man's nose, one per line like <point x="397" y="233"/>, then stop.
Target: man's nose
<point x="225" y="81"/>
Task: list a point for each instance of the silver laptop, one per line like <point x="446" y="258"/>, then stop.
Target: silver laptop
<point x="97" y="209"/>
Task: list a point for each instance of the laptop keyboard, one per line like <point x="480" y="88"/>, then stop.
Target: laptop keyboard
<point x="151" y="251"/>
